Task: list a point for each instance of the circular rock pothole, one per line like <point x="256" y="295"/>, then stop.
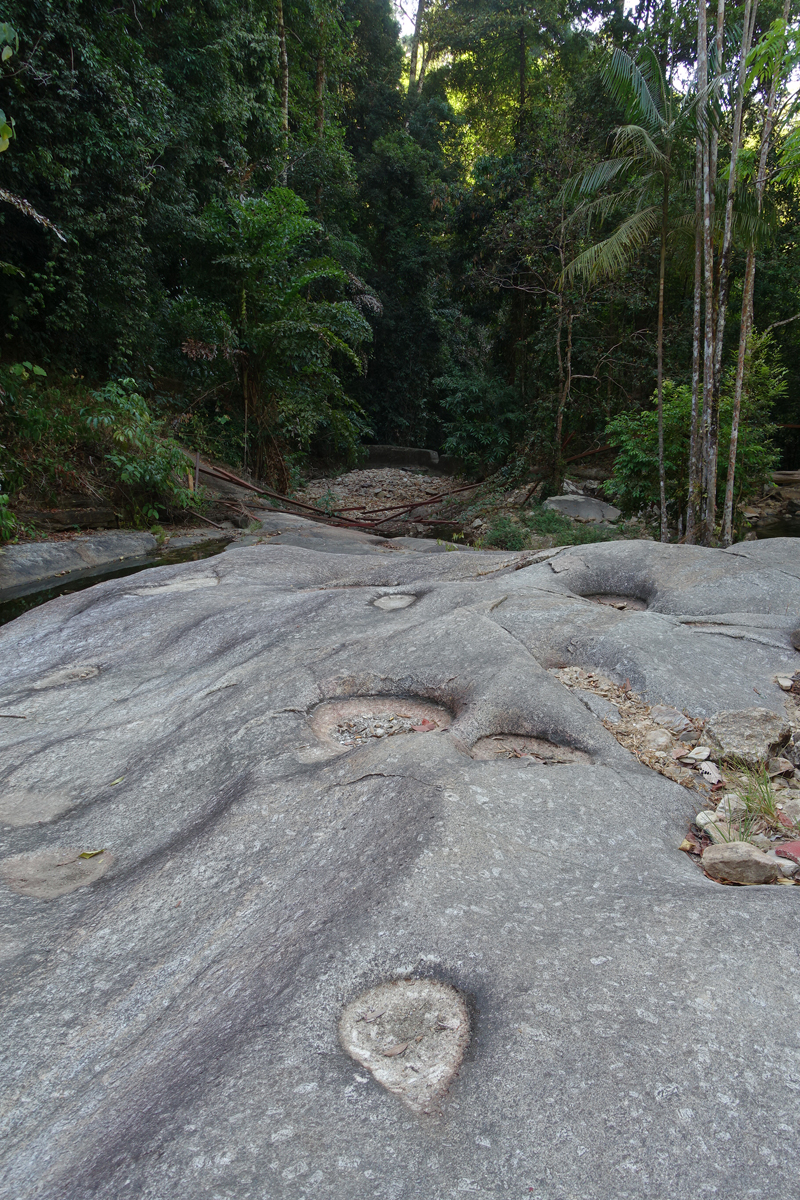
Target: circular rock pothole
<point x="393" y="601"/>
<point x="530" y="749"/>
<point x="344" y="724"/>
<point x="410" y="1035"/>
<point x="618" y="601"/>
<point x="47" y="874"/>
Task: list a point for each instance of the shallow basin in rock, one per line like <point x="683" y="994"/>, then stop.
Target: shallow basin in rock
<point x="410" y="1034"/>
<point x="343" y="724"/>
<point x="532" y="749"/>
<point x="621" y="603"/>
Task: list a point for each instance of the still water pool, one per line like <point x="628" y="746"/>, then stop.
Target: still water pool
<point x="10" y="609"/>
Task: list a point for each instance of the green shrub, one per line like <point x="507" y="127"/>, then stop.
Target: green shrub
<point x="53" y="437"/>
<point x="8" y="522"/>
<point x="547" y="522"/>
<point x="486" y="419"/>
<point x="150" y="468"/>
<point x="634" y="485"/>
<point x="505" y="535"/>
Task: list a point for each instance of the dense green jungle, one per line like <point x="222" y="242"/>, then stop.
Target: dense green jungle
<point x="520" y="233"/>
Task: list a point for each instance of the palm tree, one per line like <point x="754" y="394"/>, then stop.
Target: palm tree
<point x="642" y="174"/>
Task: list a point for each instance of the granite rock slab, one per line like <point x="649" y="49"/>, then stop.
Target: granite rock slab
<point x="171" y="1023"/>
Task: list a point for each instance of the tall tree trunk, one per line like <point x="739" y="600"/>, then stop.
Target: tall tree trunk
<point x="750" y="11"/>
<point x="662" y="491"/>
<point x="714" y="160"/>
<point x="710" y="415"/>
<point x="426" y="58"/>
<point x="748" y="288"/>
<point x="283" y="62"/>
<point x="523" y="65"/>
<point x="565" y="384"/>
<point x="710" y="388"/>
<point x="695" y="454"/>
<point x="415" y="40"/>
<point x="319" y="98"/>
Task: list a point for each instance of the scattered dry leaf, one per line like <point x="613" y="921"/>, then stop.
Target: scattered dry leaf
<point x="393" y="1051"/>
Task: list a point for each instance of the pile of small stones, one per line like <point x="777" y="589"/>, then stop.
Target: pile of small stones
<point x="737" y="843"/>
<point x="733" y="842"/>
<point x="660" y="736"/>
<point x="376" y="489"/>
<point x="376" y="725"/>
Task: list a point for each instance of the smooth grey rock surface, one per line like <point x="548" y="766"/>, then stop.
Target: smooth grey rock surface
<point x="171" y="1027"/>
<point x="584" y="508"/>
<point x="28" y="567"/>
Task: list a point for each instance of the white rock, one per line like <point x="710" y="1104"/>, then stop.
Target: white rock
<point x="752" y="736"/>
<point x="730" y="807"/>
<point x="785" y="865"/>
<point x="705" y="818"/>
<point x="583" y="508"/>
<point x="699" y="754"/>
<point x="657" y="739"/>
<point x="670" y="718"/>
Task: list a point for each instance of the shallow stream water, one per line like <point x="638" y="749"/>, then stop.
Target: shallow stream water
<point x="9" y="609"/>
<point x="786" y="527"/>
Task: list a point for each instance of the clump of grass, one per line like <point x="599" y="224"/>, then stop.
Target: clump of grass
<point x="758" y="796"/>
<point x="505" y="535"/>
<point x="546" y="522"/>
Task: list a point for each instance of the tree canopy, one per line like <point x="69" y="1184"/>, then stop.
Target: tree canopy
<point x="470" y="224"/>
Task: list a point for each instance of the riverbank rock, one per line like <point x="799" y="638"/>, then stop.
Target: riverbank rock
<point x="752" y="736"/>
<point x="584" y="508"/>
<point x="739" y="862"/>
<point x="192" y="1021"/>
<point x="26" y="567"/>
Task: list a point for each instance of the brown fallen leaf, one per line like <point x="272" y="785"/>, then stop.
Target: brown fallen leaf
<point x="393" y="1051"/>
<point x="369" y="1018"/>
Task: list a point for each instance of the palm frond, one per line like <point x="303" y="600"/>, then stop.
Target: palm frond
<point x="633" y="197"/>
<point x="752" y="228"/>
<point x="608" y="257"/>
<point x="629" y="88"/>
<point x="596" y="177"/>
<point x="633" y="141"/>
<point x="653" y="75"/>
